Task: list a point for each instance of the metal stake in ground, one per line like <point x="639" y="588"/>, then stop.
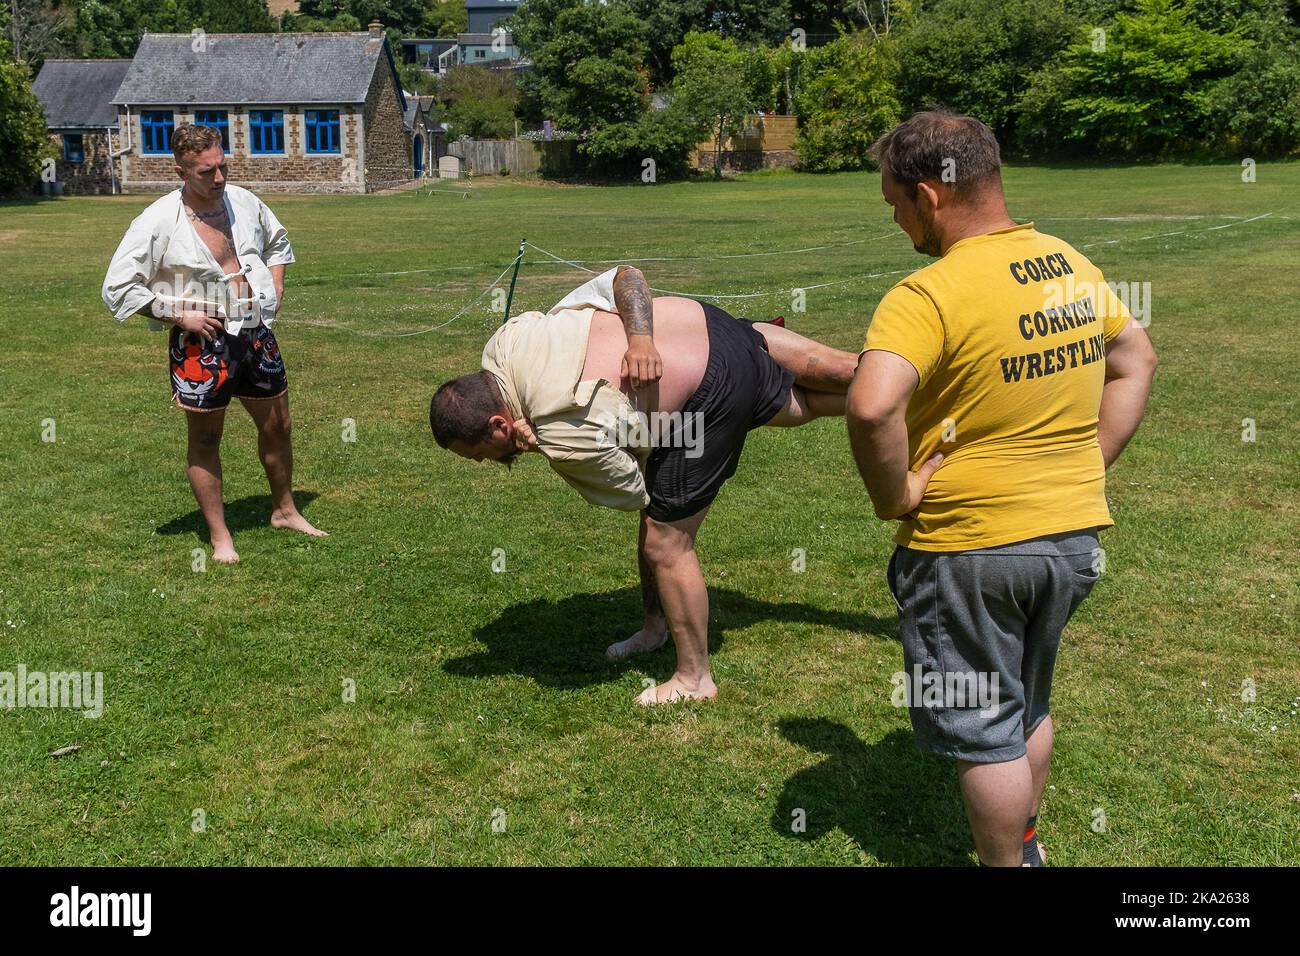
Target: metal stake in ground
<point x="510" y="297"/>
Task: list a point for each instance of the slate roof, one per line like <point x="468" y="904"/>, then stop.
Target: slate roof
<point x="78" y="94"/>
<point x="252" y="68"/>
<point x="425" y="104"/>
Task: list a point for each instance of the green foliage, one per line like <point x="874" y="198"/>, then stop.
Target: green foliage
<point x="1140" y="89"/>
<point x="444" y="19"/>
<point x="848" y="98"/>
<point x="23" y="140"/>
<point x="480" y="102"/>
<point x="976" y="56"/>
<point x="417" y="80"/>
<point x="712" y="91"/>
<point x="588" y="62"/>
<point x="1256" y="111"/>
<point x="621" y="149"/>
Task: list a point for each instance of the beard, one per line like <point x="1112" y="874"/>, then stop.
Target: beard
<point x="929" y="244"/>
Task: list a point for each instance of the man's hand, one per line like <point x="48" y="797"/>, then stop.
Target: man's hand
<point x="642" y="363"/>
<point x="916" y="485"/>
<point x="635" y="305"/>
<point x="201" y="324"/>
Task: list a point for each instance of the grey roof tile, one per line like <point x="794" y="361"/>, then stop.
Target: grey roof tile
<point x="78" y="94"/>
<point x="251" y="68"/>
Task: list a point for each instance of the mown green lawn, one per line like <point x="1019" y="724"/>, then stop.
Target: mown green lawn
<point x="480" y="691"/>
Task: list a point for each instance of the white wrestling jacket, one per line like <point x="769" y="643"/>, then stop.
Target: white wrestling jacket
<point x="162" y="264"/>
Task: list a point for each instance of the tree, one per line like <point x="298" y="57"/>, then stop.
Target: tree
<point x="444" y="18"/>
<point x="710" y="89"/>
<point x="588" y="62"/>
<point x="33" y="30"/>
<point x="848" y="98"/>
<point x="976" y="56"/>
<point x="479" y="102"/>
<point x="1138" y="90"/>
<point x="24" y="143"/>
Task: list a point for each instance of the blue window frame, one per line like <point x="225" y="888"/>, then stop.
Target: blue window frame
<point x="323" y="131"/>
<point x="156" y="131"/>
<point x="266" y="131"/>
<point x="74" y="150"/>
<point x="218" y="120"/>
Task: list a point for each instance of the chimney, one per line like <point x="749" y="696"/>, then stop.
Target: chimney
<point x="376" y="30"/>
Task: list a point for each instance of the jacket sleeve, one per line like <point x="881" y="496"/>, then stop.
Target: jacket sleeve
<point x="135" y="263"/>
<point x="276" y="250"/>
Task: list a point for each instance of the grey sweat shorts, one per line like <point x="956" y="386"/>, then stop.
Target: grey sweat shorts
<point x="980" y="633"/>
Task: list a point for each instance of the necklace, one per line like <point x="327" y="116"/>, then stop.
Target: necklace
<point x="215" y="214"/>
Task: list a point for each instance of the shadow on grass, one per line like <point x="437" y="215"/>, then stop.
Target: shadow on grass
<point x="898" y="804"/>
<point x="562" y="643"/>
<point x="242" y="515"/>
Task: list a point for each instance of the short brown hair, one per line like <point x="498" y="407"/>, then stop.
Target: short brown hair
<point x="461" y="409"/>
<point x="187" y="139"/>
<point x="940" y="145"/>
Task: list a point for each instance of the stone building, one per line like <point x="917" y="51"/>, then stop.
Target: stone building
<point x="298" y="112"/>
<point x="77" y="96"/>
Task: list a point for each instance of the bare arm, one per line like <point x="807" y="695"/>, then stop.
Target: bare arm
<point x="1130" y="367"/>
<point x="635" y="305"/>
<point x="877" y="422"/>
<point x="277" y="275"/>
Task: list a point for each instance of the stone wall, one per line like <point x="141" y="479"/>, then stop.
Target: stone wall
<point x="389" y="157"/>
<point x="295" y="171"/>
<point x="93" y="175"/>
<point x="747" y="160"/>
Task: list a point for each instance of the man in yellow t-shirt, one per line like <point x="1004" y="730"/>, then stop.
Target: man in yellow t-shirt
<point x="995" y="387"/>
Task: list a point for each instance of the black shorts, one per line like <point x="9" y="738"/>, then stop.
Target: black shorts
<point x="742" y="388"/>
<point x="207" y="375"/>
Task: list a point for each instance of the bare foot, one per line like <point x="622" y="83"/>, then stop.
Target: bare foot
<point x="224" y="551"/>
<point x="644" y="640"/>
<point x="295" y="522"/>
<point x="676" y="689"/>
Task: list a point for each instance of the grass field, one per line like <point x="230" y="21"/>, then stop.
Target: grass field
<point x="479" y="692"/>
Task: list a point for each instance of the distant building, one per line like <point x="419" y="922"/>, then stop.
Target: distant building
<point x="77" y="96"/>
<point x="487" y="41"/>
<point x="298" y="112"/>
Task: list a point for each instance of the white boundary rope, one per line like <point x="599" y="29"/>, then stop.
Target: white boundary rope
<point x="581" y="265"/>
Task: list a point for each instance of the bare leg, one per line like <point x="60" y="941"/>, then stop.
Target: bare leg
<point x="654" y="631"/>
<point x="805" y="404"/>
<point x="1039" y="750"/>
<point x="815" y="366"/>
<point x="998" y="797"/>
<point x="203" y="467"/>
<point x="670" y="550"/>
<point x="274" y="447"/>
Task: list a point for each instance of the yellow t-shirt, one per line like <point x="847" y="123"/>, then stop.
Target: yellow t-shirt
<point x="1007" y="333"/>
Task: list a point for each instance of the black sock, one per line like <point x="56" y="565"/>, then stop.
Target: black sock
<point x="1032" y="856"/>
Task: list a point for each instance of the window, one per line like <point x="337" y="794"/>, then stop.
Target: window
<point x="218" y="120"/>
<point x="156" y="131"/>
<point x="323" y="131"/>
<point x="74" y="150"/>
<point x="480" y="54"/>
<point x="266" y="131"/>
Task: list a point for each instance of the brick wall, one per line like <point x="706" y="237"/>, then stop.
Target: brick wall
<point x="295" y="171"/>
<point x="93" y="175"/>
<point x="389" y="152"/>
